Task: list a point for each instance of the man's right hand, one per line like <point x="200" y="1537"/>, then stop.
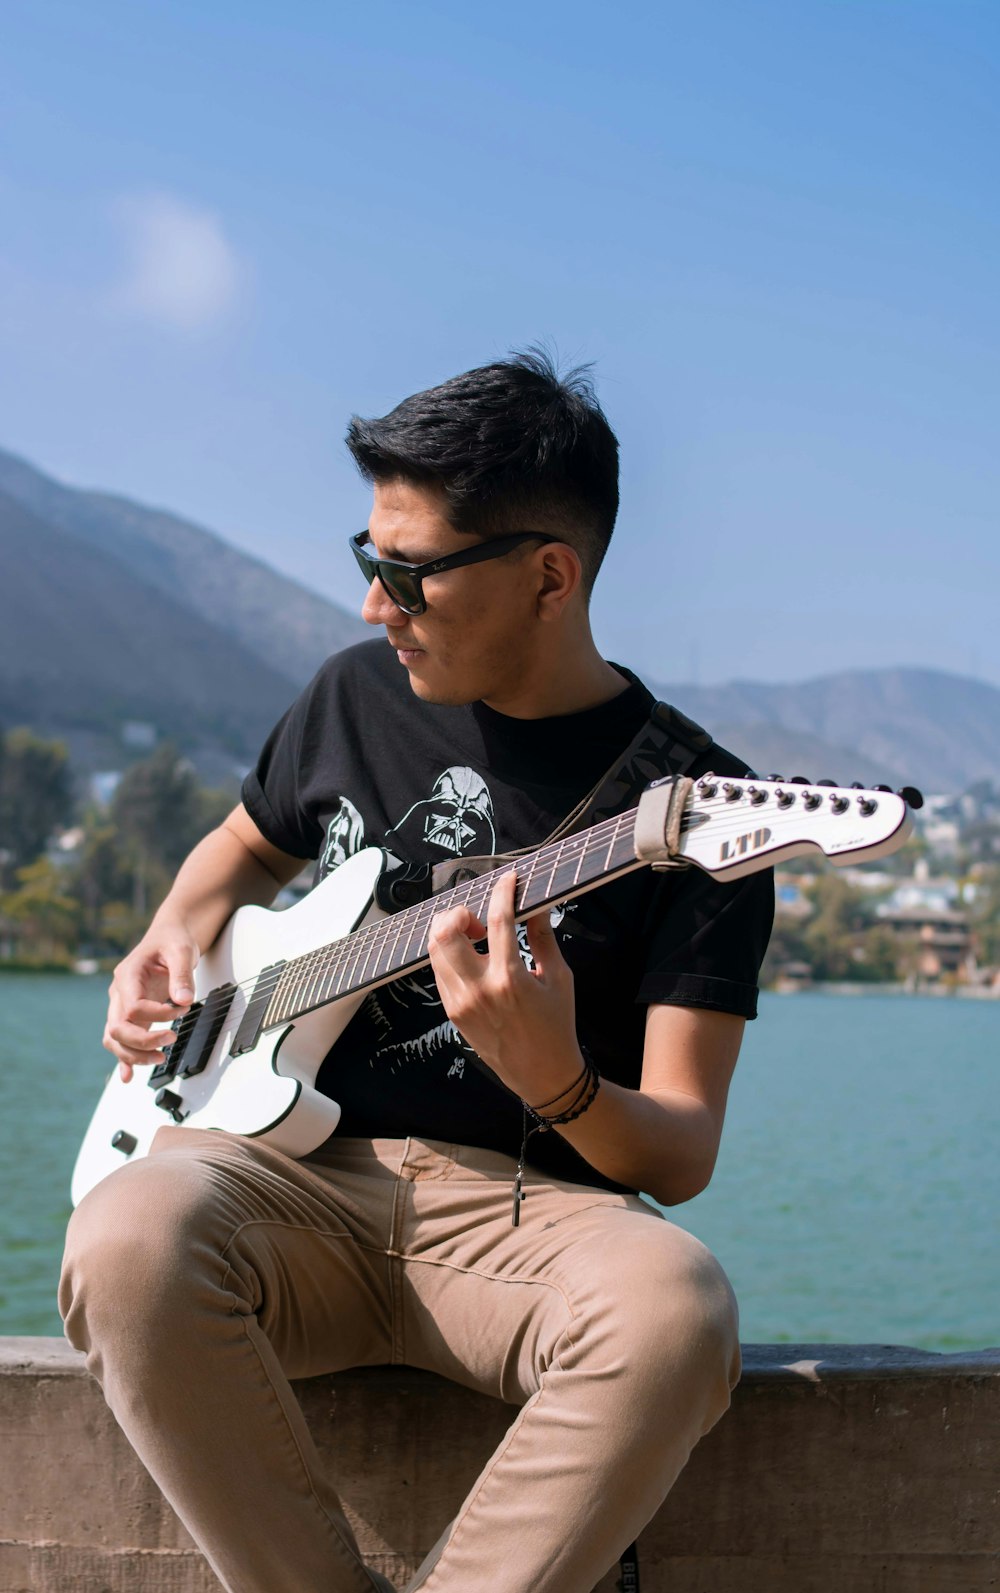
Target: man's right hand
<point x="153" y="984"/>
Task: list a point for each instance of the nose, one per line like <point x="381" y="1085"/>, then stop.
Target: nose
<point x="378" y="607"/>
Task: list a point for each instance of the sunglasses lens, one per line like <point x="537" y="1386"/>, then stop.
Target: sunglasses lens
<point x="402" y="588"/>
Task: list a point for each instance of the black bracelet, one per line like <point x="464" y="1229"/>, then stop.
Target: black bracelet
<point x="536" y="1110"/>
<point x="586" y="1087"/>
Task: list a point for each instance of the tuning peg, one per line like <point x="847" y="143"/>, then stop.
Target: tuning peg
<point x="866" y="806"/>
<point x="839" y="804"/>
<point x="756" y="795"/>
<point x="777" y="777"/>
<point x="882" y="788"/>
<point x="799" y="779"/>
<point x="732" y="792"/>
<point x="824" y="782"/>
<point x="911" y="796"/>
<point x="857" y="785"/>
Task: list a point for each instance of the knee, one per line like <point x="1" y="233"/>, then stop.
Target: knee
<point x="673" y="1319"/>
<point x="135" y="1250"/>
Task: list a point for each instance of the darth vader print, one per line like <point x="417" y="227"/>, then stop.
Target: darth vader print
<point x="457" y="816"/>
<point x="408" y="1022"/>
<point x="345" y="835"/>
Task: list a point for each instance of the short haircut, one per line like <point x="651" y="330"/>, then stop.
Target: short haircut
<point x="514" y="446"/>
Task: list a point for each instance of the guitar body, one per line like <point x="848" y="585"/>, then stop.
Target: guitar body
<point x="267" y="1093"/>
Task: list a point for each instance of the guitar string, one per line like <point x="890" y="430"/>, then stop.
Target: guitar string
<point x="457" y="895"/>
<point x="321" y="962"/>
<point x="419" y="916"/>
<point x="332" y="961"/>
<point x="357" y="950"/>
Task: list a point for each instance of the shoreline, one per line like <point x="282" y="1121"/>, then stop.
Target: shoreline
<point x="822" y="987"/>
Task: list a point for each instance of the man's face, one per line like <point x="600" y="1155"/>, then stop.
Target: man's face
<point x="474" y="641"/>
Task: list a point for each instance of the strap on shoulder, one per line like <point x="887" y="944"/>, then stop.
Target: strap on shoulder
<point x="667" y="744"/>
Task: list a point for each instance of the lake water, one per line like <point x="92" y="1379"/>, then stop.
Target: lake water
<point x="856" y="1197"/>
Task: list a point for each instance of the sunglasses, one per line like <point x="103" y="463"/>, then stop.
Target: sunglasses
<point x="404" y="582"/>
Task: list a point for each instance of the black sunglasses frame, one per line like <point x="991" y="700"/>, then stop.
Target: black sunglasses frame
<point x="413" y="575"/>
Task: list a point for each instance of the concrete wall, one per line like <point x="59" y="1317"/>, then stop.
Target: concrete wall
<point x="839" y="1469"/>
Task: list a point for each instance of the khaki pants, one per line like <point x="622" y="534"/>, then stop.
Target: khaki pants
<point x="201" y="1278"/>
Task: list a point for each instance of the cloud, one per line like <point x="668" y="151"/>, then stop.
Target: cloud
<point x="181" y="271"/>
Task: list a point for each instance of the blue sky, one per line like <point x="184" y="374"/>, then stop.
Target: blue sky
<point x="772" y="226"/>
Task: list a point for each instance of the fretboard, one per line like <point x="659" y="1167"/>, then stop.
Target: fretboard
<point x="398" y="944"/>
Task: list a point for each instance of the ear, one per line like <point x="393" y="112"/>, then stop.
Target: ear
<point x="561" y="578"/>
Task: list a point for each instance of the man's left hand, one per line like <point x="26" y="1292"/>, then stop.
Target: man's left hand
<point x="521" y="1021"/>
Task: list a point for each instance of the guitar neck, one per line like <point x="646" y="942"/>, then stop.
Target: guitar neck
<point x="398" y="944"/>
<point x="729" y="827"/>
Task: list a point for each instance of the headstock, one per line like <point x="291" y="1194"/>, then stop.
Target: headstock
<point x="732" y="826"/>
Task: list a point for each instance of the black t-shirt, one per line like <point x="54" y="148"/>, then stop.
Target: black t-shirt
<point x="359" y="760"/>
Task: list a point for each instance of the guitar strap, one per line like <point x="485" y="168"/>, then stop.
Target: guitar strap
<point x="667" y="744"/>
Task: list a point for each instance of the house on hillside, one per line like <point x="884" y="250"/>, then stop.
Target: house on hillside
<point x="942" y="937"/>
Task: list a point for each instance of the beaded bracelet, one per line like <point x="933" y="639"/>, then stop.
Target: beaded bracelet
<point x="585" y="1086"/>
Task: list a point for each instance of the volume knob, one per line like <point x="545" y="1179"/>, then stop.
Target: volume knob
<point x="170" y="1101"/>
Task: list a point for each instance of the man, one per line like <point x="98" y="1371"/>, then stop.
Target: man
<point x="201" y="1278"/>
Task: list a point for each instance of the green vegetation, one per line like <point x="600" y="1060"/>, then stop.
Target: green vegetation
<point x="79" y="880"/>
<point x="841" y="939"/>
<point x="94" y="897"/>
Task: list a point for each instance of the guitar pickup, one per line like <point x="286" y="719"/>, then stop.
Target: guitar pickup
<point x="166" y="1070"/>
<point x="207" y="1029"/>
<point x="252" y="1022"/>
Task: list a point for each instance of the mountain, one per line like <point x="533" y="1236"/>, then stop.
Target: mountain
<point x="111" y="611"/>
<point x="86" y="646"/>
<point x="288" y="628"/>
<point x="921" y="727"/>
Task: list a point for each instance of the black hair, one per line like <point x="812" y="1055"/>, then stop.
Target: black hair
<point x="514" y="447"/>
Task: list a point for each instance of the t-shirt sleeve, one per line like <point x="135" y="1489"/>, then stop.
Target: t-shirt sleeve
<point x="273" y="791"/>
<point x="706" y="941"/>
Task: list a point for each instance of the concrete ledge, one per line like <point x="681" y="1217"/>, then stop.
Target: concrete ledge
<point x="839" y="1469"/>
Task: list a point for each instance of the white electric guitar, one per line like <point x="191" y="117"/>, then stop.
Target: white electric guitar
<point x="277" y="988"/>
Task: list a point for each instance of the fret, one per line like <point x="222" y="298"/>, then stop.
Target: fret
<point x="323" y="991"/>
<point x="611" y="850"/>
<point x="353" y="944"/>
<point x="616" y="856"/>
<point x="580" y="859"/>
<point x="479" y="894"/>
<point x="310" y="977"/>
<point x="405" y="958"/>
<point x="330" y="983"/>
<point x="557" y="866"/>
<point x="395" y="956"/>
<point x="527" y="881"/>
<point x="373" y="938"/>
<point x="277" y="1005"/>
<point x="339" y="956"/>
<point x="305" y="973"/>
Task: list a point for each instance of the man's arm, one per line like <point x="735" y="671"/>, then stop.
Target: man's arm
<point x="234" y="866"/>
<point x="662" y="1138"/>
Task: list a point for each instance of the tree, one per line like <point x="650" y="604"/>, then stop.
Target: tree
<point x="36" y="795"/>
<point x="160" y="812"/>
<point x="49" y="916"/>
<point x="986" y="915"/>
<point x="843" y="940"/>
<point x="156" y="807"/>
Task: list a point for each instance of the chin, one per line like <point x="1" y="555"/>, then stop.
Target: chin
<point x="443" y="693"/>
